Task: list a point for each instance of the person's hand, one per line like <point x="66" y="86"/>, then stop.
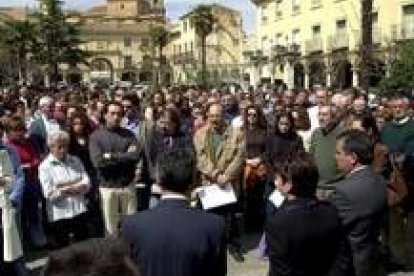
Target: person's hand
<point x="107" y="155"/>
<point x="156" y="189"/>
<point x="2" y="182"/>
<point x="132" y="148"/>
<point x="222" y="180"/>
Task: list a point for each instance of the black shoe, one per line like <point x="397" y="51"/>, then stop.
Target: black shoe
<point x="237" y="254"/>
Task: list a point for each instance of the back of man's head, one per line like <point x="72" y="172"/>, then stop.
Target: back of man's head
<point x="175" y="170"/>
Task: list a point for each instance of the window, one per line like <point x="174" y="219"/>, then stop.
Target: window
<point x="185" y="47"/>
<point x="99" y="45"/>
<point x="316" y="3"/>
<point x="192" y="46"/>
<point x="408" y="21"/>
<point x="295" y="6"/>
<point x="185" y="26"/>
<point x="278" y="9"/>
<point x="278" y="40"/>
<point x="296" y="37"/>
<point x="127" y="61"/>
<point x="127" y="42"/>
<point x="341" y="25"/>
<point x="316" y="30"/>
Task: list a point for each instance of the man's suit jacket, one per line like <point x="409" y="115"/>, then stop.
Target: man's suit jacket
<point x="228" y="159"/>
<point x="304" y="237"/>
<point x="174" y="240"/>
<point x="361" y="199"/>
<point x="38" y="133"/>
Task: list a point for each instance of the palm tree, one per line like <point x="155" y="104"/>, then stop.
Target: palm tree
<point x="366" y="43"/>
<point x="17" y="38"/>
<point x="203" y="21"/>
<point x="159" y="38"/>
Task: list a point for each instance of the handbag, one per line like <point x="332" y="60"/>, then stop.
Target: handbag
<point x="254" y="175"/>
<point x="12" y="246"/>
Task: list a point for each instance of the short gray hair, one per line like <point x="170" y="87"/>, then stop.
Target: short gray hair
<point x="57" y="136"/>
<point x="45" y="100"/>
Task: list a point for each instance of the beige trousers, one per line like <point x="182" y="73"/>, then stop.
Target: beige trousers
<point x="116" y="203"/>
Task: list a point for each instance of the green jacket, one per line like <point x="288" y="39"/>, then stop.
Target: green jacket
<point x="323" y="148"/>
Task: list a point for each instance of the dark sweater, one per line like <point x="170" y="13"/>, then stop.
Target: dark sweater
<point x="119" y="170"/>
<point x="399" y="137"/>
<point x="323" y="148"/>
<point x="281" y="146"/>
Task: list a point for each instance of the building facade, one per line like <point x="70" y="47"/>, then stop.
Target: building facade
<point x="302" y="43"/>
<point x="117" y="35"/>
<point x="224" y="49"/>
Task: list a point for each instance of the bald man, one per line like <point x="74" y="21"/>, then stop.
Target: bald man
<point x="220" y="152"/>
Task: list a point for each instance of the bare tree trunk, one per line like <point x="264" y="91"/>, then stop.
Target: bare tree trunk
<point x="366" y="43"/>
<point x="203" y="61"/>
<point x="160" y="65"/>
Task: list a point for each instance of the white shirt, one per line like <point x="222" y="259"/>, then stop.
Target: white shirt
<point x="50" y="124"/>
<point x="54" y="173"/>
<point x="237" y="122"/>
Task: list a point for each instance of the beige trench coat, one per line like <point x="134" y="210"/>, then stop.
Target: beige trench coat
<point x="228" y="159"/>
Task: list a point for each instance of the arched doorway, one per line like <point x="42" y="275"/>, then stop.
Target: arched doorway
<point x="145" y="76"/>
<point x="342" y="74"/>
<point x="317" y="75"/>
<point x="101" y="70"/>
<point x="128" y="76"/>
<point x="299" y="75"/>
<point x="74" y="78"/>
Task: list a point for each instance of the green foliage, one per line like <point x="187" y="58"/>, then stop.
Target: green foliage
<point x="17" y="40"/>
<point x="401" y="73"/>
<point x="58" y="40"/>
<point x="203" y="20"/>
<point x="159" y="36"/>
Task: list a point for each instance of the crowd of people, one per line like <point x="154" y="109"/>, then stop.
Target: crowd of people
<point x="81" y="164"/>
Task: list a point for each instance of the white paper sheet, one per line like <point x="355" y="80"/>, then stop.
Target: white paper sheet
<point x="276" y="198"/>
<point x="214" y="196"/>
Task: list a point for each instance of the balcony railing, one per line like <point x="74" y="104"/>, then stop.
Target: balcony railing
<point x="402" y="32"/>
<point x="184" y="58"/>
<point x="376" y="35"/>
<point x="314" y="45"/>
<point x="338" y="41"/>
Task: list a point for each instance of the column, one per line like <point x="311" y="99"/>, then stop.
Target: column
<point x="289" y="75"/>
<point x="328" y="79"/>
<point x="355" y="75"/>
<point x="306" y="72"/>
<point x="328" y="71"/>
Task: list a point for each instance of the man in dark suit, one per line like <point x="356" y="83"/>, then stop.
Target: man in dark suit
<point x="173" y="239"/>
<point x="44" y="124"/>
<point x="360" y="199"/>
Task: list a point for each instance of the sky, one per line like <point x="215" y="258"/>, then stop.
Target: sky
<point x="175" y="8"/>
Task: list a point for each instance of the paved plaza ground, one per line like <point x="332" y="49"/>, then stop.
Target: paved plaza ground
<point x="252" y="266"/>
